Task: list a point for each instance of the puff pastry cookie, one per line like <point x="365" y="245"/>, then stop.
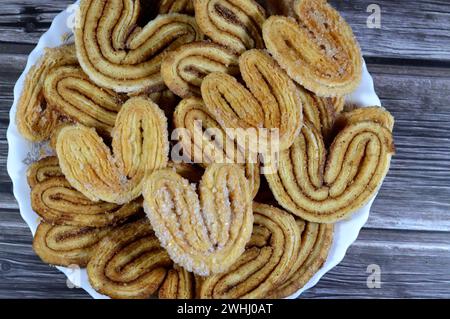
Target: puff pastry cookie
<point x="129" y="263"/>
<point x="68" y="90"/>
<point x="67" y="245"/>
<point x="266" y="262"/>
<point x="326" y="186"/>
<point x="35" y="119"/>
<point x="118" y="54"/>
<point x="271" y="100"/>
<point x="204" y="235"/>
<point x="235" y="24"/>
<point x="319" y="51"/>
<point x="184" y="69"/>
<point x="221" y="149"/>
<point x="140" y="145"/>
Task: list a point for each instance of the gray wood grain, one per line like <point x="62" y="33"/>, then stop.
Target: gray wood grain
<point x="410" y="29"/>
<point x="416" y="194"/>
<point x="413" y="264"/>
<point x="408" y="233"/>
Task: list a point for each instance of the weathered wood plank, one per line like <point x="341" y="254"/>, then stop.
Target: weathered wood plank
<point x="25" y="21"/>
<point x="413" y="264"/>
<point x="417" y="190"/>
<point x="22" y="274"/>
<point x="409" y="29"/>
<point x="7" y="199"/>
<point x="11" y="66"/>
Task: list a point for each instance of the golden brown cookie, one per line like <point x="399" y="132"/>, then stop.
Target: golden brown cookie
<point x="375" y="114"/>
<point x="179" y="284"/>
<point x="192" y="120"/>
<point x="321" y="112"/>
<point x="43" y="170"/>
<point x="184" y="69"/>
<point x="271" y="100"/>
<point x="129" y="263"/>
<point x="35" y="119"/>
<point x="266" y="263"/>
<point x="319" y="51"/>
<point x="235" y="24"/>
<point x="140" y="145"/>
<point x="118" y="54"/>
<point x="204" y="235"/>
<point x="69" y="91"/>
<point x="57" y="202"/>
<point x="67" y="245"/>
<point x="316" y="241"/>
<point x="327" y="185"/>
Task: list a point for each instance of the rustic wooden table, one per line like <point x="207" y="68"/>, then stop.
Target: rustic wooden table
<point x="408" y="234"/>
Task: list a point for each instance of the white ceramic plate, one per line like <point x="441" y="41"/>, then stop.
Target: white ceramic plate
<point x="22" y="153"/>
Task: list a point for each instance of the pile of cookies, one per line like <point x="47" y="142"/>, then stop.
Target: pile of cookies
<point x="114" y="201"/>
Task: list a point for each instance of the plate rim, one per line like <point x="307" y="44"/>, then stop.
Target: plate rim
<point x="345" y="234"/>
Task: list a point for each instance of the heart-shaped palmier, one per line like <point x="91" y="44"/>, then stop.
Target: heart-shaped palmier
<point x="67" y="245"/>
<point x="184" y="69"/>
<point x="140" y="145"/>
<point x="318" y="51"/>
<point x="234" y="24"/>
<point x="203" y="141"/>
<point x="58" y="203"/>
<point x="70" y="91"/>
<point x="266" y="262"/>
<point x="204" y="235"/>
<point x="119" y="54"/>
<point x="35" y="119"/>
<point x="271" y="102"/>
<point x="129" y="263"/>
<point x="326" y="185"/>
